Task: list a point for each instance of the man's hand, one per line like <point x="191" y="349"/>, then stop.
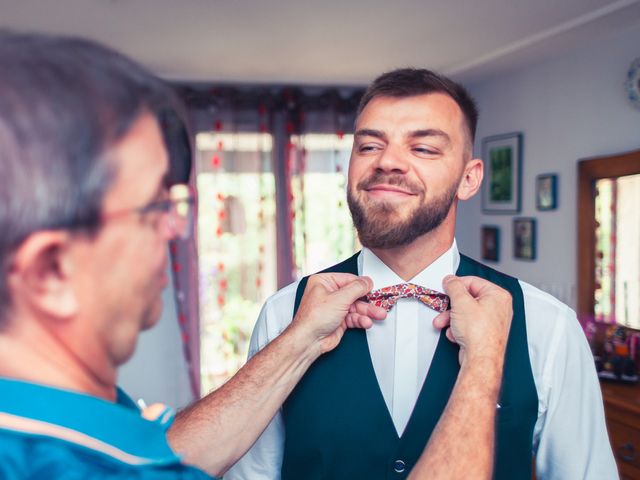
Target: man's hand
<point x="331" y="304"/>
<point x="239" y="411"/>
<point x="480" y="317"/>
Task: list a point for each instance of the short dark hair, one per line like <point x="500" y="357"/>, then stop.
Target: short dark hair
<point x="64" y="102"/>
<point x="409" y="82"/>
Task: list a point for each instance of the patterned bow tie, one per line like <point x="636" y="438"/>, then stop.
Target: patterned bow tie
<point x="388" y="296"/>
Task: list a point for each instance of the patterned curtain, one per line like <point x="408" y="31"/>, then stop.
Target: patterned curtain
<point x="269" y="172"/>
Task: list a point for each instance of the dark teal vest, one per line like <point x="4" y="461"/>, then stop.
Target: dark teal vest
<point x="338" y="426"/>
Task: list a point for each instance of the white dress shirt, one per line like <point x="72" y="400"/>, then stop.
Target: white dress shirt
<point x="570" y="437"/>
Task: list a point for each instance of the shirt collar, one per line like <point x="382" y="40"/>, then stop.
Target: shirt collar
<point x="431" y="277"/>
<point x="114" y="429"/>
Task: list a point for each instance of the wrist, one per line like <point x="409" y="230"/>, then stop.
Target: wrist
<point x="301" y="342"/>
<point x="490" y="356"/>
<point x="487" y="369"/>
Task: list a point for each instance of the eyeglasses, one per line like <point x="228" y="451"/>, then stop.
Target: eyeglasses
<point x="177" y="210"/>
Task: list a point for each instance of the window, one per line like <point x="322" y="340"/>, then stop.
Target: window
<point x="617" y="262"/>
<point x="236" y="245"/>
<point x="609" y="239"/>
<point x="237" y="231"/>
<point x="323" y="232"/>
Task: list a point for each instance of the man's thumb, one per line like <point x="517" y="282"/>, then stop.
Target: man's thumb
<point x="455" y="288"/>
<point x="352" y="291"/>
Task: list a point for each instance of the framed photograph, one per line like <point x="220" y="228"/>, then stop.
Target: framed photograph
<point x="490" y="243"/>
<point x="502" y="155"/>
<point x="524" y="238"/>
<point x="547" y="191"/>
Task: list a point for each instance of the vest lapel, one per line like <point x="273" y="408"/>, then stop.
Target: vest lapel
<point x="432" y="398"/>
<point x="354" y="342"/>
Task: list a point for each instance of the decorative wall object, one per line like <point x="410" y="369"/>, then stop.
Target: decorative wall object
<point x="490" y="237"/>
<point x="632" y="85"/>
<point x="502" y="155"/>
<point x="524" y="238"/>
<point x="547" y="191"/>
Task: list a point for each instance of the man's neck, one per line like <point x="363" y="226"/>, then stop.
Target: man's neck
<point x="32" y="354"/>
<point x="409" y="260"/>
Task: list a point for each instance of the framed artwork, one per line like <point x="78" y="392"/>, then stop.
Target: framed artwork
<point x="490" y="243"/>
<point x="547" y="191"/>
<point x="502" y="155"/>
<point x="524" y="238"/>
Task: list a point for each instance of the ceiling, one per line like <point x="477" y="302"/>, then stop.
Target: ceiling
<point x="336" y="42"/>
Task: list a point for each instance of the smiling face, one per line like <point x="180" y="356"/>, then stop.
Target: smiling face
<point x="406" y="169"/>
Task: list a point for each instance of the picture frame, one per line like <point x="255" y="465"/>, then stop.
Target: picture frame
<point x="524" y="238"/>
<point x="502" y="155"/>
<point x="490" y="247"/>
<point x="547" y="191"/>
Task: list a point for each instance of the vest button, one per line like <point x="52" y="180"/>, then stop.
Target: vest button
<point x="399" y="466"/>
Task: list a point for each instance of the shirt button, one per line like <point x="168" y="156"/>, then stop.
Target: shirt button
<point x="399" y="466"/>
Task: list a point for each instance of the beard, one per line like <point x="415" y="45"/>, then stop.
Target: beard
<point x="377" y="223"/>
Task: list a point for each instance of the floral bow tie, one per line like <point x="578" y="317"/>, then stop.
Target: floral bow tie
<point x="388" y="296"/>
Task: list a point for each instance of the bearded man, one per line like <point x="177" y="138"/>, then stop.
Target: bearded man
<point x="366" y="410"/>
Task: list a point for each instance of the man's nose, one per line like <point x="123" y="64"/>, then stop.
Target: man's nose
<point x="392" y="160"/>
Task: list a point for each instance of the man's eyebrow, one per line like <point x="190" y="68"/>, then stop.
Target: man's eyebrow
<point x="427" y="132"/>
<point x="430" y="132"/>
<point x="370" y="132"/>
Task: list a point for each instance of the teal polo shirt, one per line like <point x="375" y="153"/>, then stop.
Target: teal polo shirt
<point x="48" y="433"/>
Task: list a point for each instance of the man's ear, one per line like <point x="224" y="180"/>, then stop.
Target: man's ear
<point x="471" y="179"/>
<point x="40" y="275"/>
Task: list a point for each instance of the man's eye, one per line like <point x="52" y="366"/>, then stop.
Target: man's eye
<point x="426" y="151"/>
<point x="367" y="148"/>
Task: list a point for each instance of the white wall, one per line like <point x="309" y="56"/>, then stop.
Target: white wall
<point x="158" y="372"/>
<point x="568" y="108"/>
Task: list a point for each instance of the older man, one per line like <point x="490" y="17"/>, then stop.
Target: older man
<point x="89" y="200"/>
<point x="412" y="162"/>
<point x="91" y="155"/>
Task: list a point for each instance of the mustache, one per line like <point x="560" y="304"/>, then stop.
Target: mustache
<point x="397" y="180"/>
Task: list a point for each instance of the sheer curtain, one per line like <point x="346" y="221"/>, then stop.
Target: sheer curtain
<point x="270" y="174"/>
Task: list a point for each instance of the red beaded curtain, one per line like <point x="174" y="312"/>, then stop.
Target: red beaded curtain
<point x="184" y="267"/>
<point x="182" y="252"/>
<point x="251" y="174"/>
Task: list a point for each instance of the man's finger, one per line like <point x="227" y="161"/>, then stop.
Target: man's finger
<point x="335" y="280"/>
<point x="456" y="289"/>
<point x="442" y="320"/>
<point x="355" y="320"/>
<point x="477" y="286"/>
<point x="449" y="334"/>
<point x="352" y="290"/>
<point x="368" y="310"/>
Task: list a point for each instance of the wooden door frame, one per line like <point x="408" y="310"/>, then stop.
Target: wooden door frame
<point x="589" y="170"/>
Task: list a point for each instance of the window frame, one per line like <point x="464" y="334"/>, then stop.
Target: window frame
<point x="590" y="170"/>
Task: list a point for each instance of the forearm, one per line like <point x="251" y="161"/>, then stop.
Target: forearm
<point x="216" y="431"/>
<point x="462" y="443"/>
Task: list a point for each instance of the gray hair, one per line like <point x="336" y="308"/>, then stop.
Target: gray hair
<point x="63" y="103"/>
